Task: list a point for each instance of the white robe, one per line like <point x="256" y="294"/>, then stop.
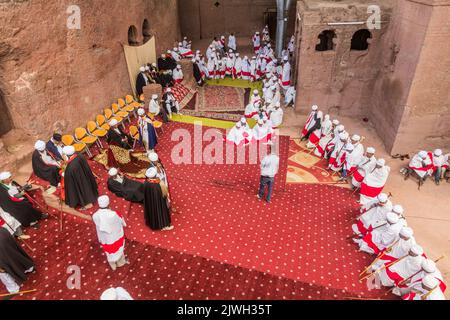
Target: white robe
<point x="418" y="164"/>
<point x="374" y="216"/>
<point x="261" y="132"/>
<point x="286" y="76"/>
<point x="373" y="183"/>
<point x="153" y="107"/>
<point x="366" y="165"/>
<point x="177" y="74"/>
<point x="245" y="69"/>
<point x="382" y="237"/>
<point x="404" y="268"/>
<point x="11" y="223"/>
<point x="9" y="283"/>
<point x="109" y="227"/>
<point x="237" y="136"/>
<point x="276" y="117"/>
<point x="398" y="250"/>
<point x="232" y="42"/>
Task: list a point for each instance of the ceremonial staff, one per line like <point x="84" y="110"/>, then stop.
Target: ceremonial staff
<point x="17" y="293"/>
<point x="386" y="266"/>
<point x="379" y="257"/>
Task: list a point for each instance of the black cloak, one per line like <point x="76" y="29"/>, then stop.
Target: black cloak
<point x="22" y="211"/>
<point x="13" y="259"/>
<point x="44" y="171"/>
<point x="116" y="139"/>
<point x="130" y="190"/>
<point x="197" y="73"/>
<point x="156" y="211"/>
<point x="140" y="83"/>
<point x="80" y="186"/>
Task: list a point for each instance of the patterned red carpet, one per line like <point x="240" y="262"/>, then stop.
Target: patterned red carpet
<point x="226" y="244"/>
<point x="218" y="98"/>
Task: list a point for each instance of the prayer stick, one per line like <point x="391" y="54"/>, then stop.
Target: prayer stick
<point x="17" y="293"/>
<point x="379" y="257"/>
<point x="383" y="267"/>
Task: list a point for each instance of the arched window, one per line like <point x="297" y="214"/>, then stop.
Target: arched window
<point x="5" y="119"/>
<point x="132" y="36"/>
<point x="360" y="40"/>
<point x="326" y="40"/>
<point x="146" y="32"/>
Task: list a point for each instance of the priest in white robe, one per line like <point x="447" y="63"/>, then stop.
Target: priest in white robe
<point x="429" y="290"/>
<point x="374" y="182"/>
<point x="422" y="165"/>
<point x="262" y="133"/>
<point x="276" y="116"/>
<point x="373" y="214"/>
<point x="310" y="121"/>
<point x="256" y="42"/>
<point x="153" y="106"/>
<point x="367" y="164"/>
<point x="322" y="124"/>
<point x="285" y="75"/>
<point x="177" y="74"/>
<point x="440" y="165"/>
<point x="110" y="232"/>
<point x="232" y="42"/>
<point x="326" y="137"/>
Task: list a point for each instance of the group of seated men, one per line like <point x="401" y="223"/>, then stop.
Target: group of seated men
<point x="345" y="154"/>
<point x="400" y="263"/>
<point x="429" y="164"/>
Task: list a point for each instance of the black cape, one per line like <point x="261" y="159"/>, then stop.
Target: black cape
<point x="130" y="190"/>
<point x="116" y="139"/>
<point x="22" y="211"/>
<point x="13" y="259"/>
<point x="44" y="171"/>
<point x="156" y="211"/>
<point x="166" y="64"/>
<point x="80" y="186"/>
<point x="197" y="73"/>
<point x="140" y="83"/>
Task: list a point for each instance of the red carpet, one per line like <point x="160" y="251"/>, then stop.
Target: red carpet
<point x="298" y="241"/>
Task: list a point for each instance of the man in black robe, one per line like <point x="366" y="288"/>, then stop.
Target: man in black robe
<point x="80" y="187"/>
<point x="123" y="187"/>
<point x="154" y="73"/>
<point x="15" y="263"/>
<point x="45" y="166"/>
<point x="118" y="137"/>
<point x="156" y="209"/>
<point x="14" y="201"/>
<point x="165" y="65"/>
<point x="54" y="146"/>
<point x="317" y="125"/>
<point x="141" y="81"/>
<point x="197" y="73"/>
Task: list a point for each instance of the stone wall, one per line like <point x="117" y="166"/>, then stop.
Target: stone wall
<point x="54" y="77"/>
<point x="201" y="19"/>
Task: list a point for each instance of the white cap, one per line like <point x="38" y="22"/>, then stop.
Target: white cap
<point x="340" y="127"/>
<point x="429" y="266"/>
<point x="370" y="150"/>
<point x="113" y="122"/>
<point x="243" y="120"/>
<point x="383" y="197"/>
<point x="314" y="107"/>
<point x="237" y="54"/>
<point x="109" y="294"/>
<point x="423" y="154"/>
<point x="39" y="145"/>
<point x="406" y="232"/>
<point x="147" y="68"/>
<point x="141" y="112"/>
<point x="69" y="150"/>
<point x="5" y="175"/>
<point x="286" y="58"/>
<point x="260" y="121"/>
<point x="142" y="69"/>
<point x="175" y="49"/>
<point x="113" y="172"/>
<point x="349" y="147"/>
<point x="356" y="137"/>
<point x="437" y="152"/>
<point x="336" y="122"/>
<point x="255" y="91"/>
<point x="416" y="250"/>
<point x="343" y="136"/>
<point x="151" y="173"/>
<point x="178" y="66"/>
<point x="398" y="209"/>
<point x="169" y="90"/>
<point x="103" y="202"/>
<point x="153" y="156"/>
<point x="392" y="218"/>
<point x="238" y="124"/>
<point x="430" y="282"/>
<point x="381" y="162"/>
<point x="155" y="96"/>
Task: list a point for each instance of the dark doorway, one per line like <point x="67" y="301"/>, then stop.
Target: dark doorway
<point x="360" y="40"/>
<point x="146" y="32"/>
<point x="5" y="118"/>
<point x="326" y="42"/>
<point x="270" y="19"/>
<point x="132" y="36"/>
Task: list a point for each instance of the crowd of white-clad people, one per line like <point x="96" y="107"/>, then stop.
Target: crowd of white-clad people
<point x="380" y="229"/>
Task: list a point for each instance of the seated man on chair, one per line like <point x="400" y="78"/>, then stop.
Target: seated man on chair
<point x="55" y="146"/>
<point x="118" y="137"/>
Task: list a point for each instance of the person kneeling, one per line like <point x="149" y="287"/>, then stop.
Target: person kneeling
<point x="125" y="188"/>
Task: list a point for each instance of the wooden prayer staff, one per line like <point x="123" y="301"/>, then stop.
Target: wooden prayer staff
<point x="383" y="267"/>
<point x="379" y="257"/>
<point x="17" y="293"/>
<point x="357" y="298"/>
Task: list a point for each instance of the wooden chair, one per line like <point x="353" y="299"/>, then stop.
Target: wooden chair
<point x="134" y="133"/>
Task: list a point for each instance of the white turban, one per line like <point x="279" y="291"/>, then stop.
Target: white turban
<point x="39" y="145"/>
<point x="142" y="69"/>
<point x="382" y="197"/>
<point x="147" y="68"/>
<point x="430" y="282"/>
<point x="356" y="137"/>
<point x="416" y="250"/>
<point x="141" y="112"/>
<point x="286" y="58"/>
<point x="103" y="202"/>
<point x="113" y="123"/>
<point x="381" y="162"/>
<point x="243" y="120"/>
<point x="429" y="266"/>
<point x="155" y="96"/>
<point x="314" y="108"/>
<point x="392" y="218"/>
<point x="151" y="173"/>
<point x="406" y="232"/>
<point x="341" y="128"/>
<point x="398" y="209"/>
<point x="255" y="91"/>
<point x="343" y="136"/>
<point x="336" y="122"/>
<point x="5" y="175"/>
<point x="438" y="152"/>
<point x="169" y="90"/>
<point x="260" y="121"/>
<point x="370" y="150"/>
<point x="113" y="172"/>
<point x="69" y="150"/>
<point x="109" y="294"/>
<point x="153" y="156"/>
<point x="349" y="147"/>
<point x="423" y="154"/>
